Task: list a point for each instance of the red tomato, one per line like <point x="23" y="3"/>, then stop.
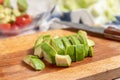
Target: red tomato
<point x="14" y="27"/>
<point x="5" y="26"/>
<point x="1" y="1"/>
<point x="23" y="21"/>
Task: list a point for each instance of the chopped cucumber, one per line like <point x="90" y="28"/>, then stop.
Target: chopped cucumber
<point x="38" y="41"/>
<point x="38" y="51"/>
<point x="58" y="45"/>
<point x="62" y="60"/>
<point x="79" y="51"/>
<point x="37" y="46"/>
<point x="16" y="12"/>
<point x="34" y="62"/>
<point x="1" y="9"/>
<point x="90" y="52"/>
<point x="22" y="5"/>
<point x="2" y="16"/>
<point x="7" y="11"/>
<point x="66" y="41"/>
<point x="90" y="42"/>
<point x="7" y="3"/>
<point x="47" y="38"/>
<point x="74" y="40"/>
<point x="5" y="20"/>
<point x="71" y="52"/>
<point x="83" y="39"/>
<point x="48" y="52"/>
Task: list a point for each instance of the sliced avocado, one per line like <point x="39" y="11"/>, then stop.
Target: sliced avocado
<point x="79" y="51"/>
<point x="90" y="42"/>
<point x="83" y="39"/>
<point x="74" y="40"/>
<point x="90" y="52"/>
<point x="7" y="3"/>
<point x="62" y="60"/>
<point x="66" y="41"/>
<point x="71" y="52"/>
<point x="22" y="5"/>
<point x="48" y="52"/>
<point x="58" y="45"/>
<point x="34" y="62"/>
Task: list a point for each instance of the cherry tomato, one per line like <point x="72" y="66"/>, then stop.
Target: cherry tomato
<point x="14" y="27"/>
<point x="1" y="1"/>
<point x="23" y="21"/>
<point x="5" y="26"/>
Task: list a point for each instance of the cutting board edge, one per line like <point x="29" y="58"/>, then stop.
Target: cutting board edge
<point x="105" y="69"/>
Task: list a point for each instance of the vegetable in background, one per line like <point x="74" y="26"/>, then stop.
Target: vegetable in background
<point x="22" y="5"/>
<point x="17" y="18"/>
<point x="103" y="11"/>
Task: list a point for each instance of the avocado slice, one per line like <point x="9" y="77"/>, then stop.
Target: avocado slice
<point x="90" y="52"/>
<point x="83" y="39"/>
<point x="48" y="52"/>
<point x="58" y="45"/>
<point x="62" y="60"/>
<point x="70" y="50"/>
<point x="22" y="5"/>
<point x="90" y="42"/>
<point x="34" y="62"/>
<point x="7" y="3"/>
<point x="79" y="51"/>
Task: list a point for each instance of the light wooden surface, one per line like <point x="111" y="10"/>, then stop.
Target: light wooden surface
<point x="105" y="65"/>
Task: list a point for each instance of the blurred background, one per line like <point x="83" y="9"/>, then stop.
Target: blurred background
<point x="21" y="17"/>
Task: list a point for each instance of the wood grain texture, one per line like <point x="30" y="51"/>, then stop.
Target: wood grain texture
<point x="105" y="64"/>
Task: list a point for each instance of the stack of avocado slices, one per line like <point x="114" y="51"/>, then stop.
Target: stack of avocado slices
<point x="62" y="51"/>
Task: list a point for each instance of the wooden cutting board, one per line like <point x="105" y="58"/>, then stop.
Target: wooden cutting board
<point x="105" y="65"/>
